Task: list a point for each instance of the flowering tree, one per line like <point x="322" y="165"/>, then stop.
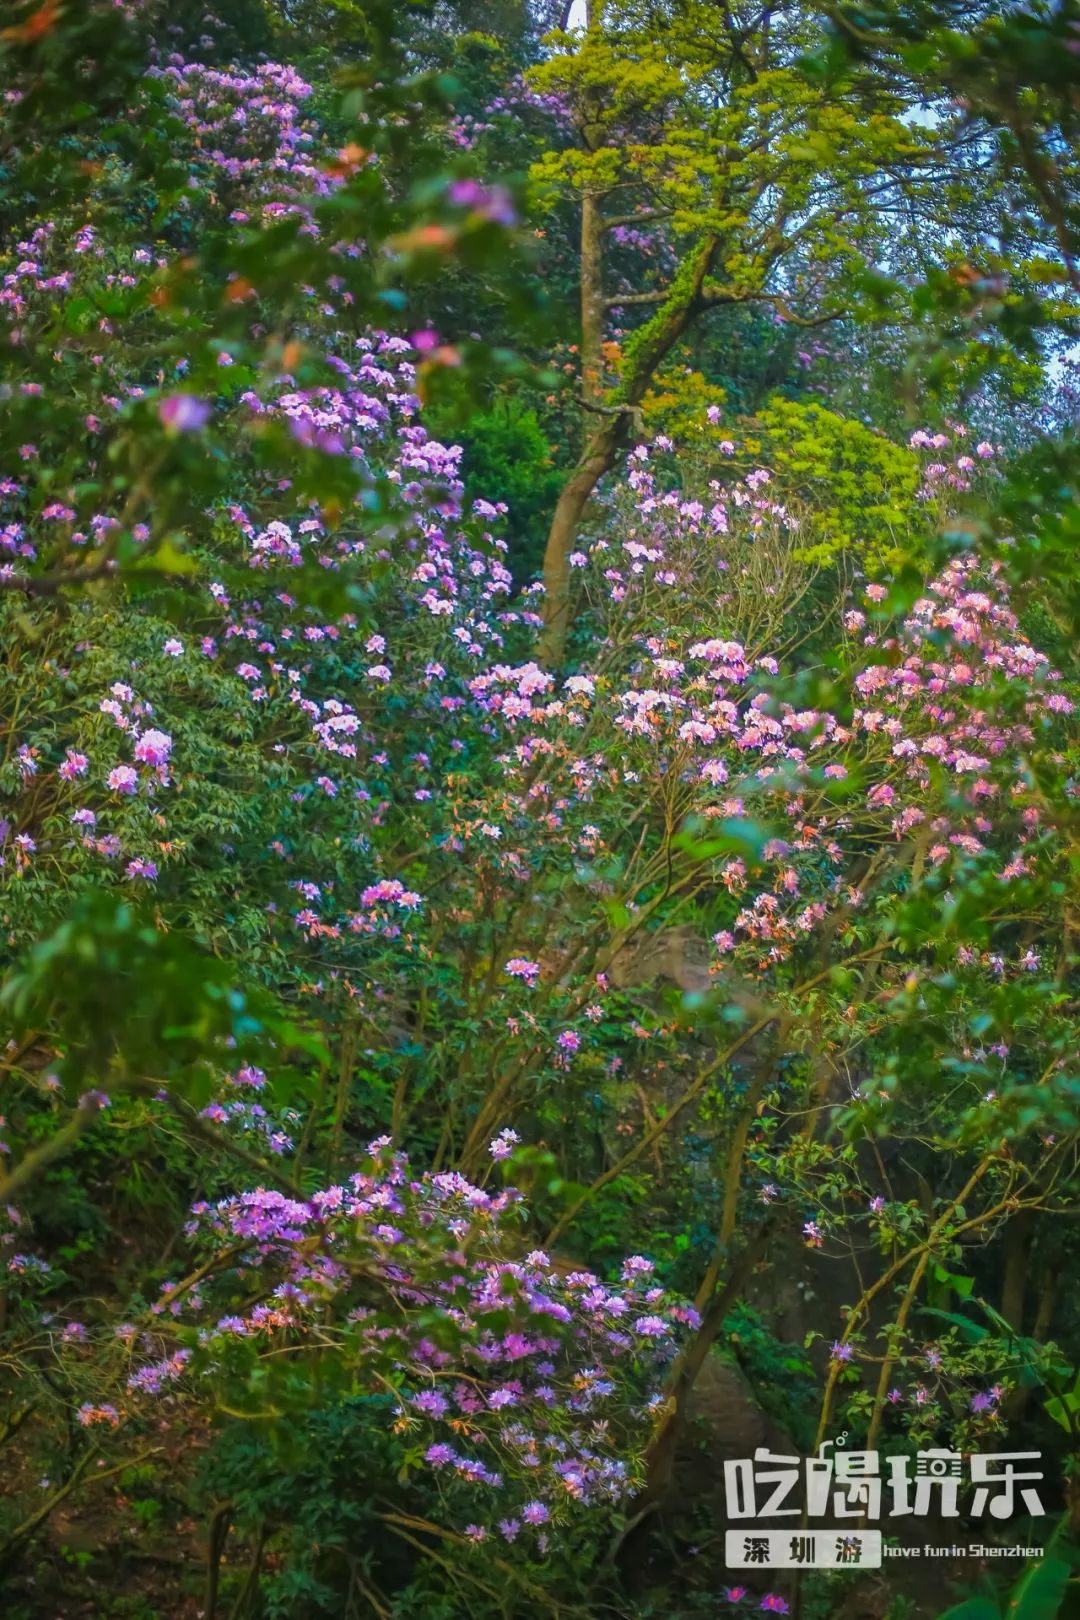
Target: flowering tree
<point x="736" y="179"/>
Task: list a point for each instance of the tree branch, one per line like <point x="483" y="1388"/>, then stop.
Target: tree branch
<point x="643" y="218"/>
<point x="658" y="296"/>
<point x="712" y="296"/>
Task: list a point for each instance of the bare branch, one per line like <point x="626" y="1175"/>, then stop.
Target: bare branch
<point x="619" y="299"/>
<point x="712" y="296"/>
<point x="52" y="584"/>
<point x="644" y="218"/>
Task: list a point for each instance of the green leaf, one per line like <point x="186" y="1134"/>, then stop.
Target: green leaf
<point x="167" y="558"/>
<point x="1040" y="1591"/>
<point x="978" y="1608"/>
<point x="972" y="1331"/>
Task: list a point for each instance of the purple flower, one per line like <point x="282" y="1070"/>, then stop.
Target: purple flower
<point x="519" y="967"/>
<point x="305" y="432"/>
<point x="153" y="748"/>
<point x="232" y="1324"/>
<point x="74" y="765"/>
<point x="431" y="1403"/>
<point x="466" y="193"/>
<point x="183" y="413"/>
<point x="139" y="868"/>
<point x="983" y="1400"/>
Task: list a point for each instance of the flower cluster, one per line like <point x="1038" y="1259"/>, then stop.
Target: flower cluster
<point x="534" y="1397"/>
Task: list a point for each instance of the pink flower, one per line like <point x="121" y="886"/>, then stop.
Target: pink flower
<point x="123" y="779"/>
<point x="519" y="967"/>
<point x="74" y="765"/>
<point x="88" y="1415"/>
<point x="153" y="748"/>
<point x="390" y="891"/>
<point x="501" y="1146"/>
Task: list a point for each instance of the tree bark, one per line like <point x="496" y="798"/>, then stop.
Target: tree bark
<point x="592" y="297"/>
<point x="661" y="1456"/>
<point x="650" y="346"/>
<point x="597" y="458"/>
<point x="1018" y="1234"/>
<point x="1018" y="1399"/>
<point x="1044" y="1310"/>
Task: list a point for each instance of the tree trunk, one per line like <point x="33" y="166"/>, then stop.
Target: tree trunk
<point x="1018" y="1234"/>
<point x="592" y="297"/>
<point x="647" y="350"/>
<point x="1047" y="1301"/>
<point x="1018" y="1400"/>
<point x="664" y="1444"/>
<point x="597" y="458"/>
